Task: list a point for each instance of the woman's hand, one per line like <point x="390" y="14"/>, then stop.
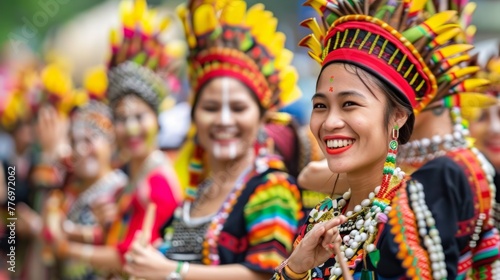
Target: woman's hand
<point x="147" y="262"/>
<point x="317" y="246"/>
<point x="105" y="211"/>
<point x="52" y="130"/>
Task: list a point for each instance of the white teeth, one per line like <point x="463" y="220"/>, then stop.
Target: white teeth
<point x="224" y="135"/>
<point x="338" y="143"/>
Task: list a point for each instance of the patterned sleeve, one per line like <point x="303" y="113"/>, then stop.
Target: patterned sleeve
<point x="438" y="209"/>
<point x="271" y="215"/>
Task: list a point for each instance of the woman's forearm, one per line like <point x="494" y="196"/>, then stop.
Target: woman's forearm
<point x="102" y="257"/>
<point x="223" y="272"/>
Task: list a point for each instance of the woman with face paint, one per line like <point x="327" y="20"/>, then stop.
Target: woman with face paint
<point x="92" y="141"/>
<point x="242" y="209"/>
<point x="485" y="127"/>
<point x="135" y="93"/>
<point x="379" y="70"/>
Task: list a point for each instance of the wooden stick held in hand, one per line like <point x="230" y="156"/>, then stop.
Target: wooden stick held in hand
<point x="147" y="228"/>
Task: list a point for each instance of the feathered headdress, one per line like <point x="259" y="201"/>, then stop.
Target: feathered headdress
<point x="18" y="96"/>
<point x="91" y="113"/>
<point x="226" y="39"/>
<point x="57" y="87"/>
<point x="409" y="44"/>
<point x="139" y="60"/>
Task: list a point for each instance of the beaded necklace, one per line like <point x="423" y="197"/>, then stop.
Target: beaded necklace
<point x="215" y="227"/>
<point x="364" y="222"/>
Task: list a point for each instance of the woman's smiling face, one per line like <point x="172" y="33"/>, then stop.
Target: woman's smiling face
<point x="136" y="126"/>
<point x="227" y="118"/>
<point x="486" y="131"/>
<point x="348" y="120"/>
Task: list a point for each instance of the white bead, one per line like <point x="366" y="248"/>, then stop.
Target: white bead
<point x="347" y="195"/>
<point x="357" y="238"/>
<point x="377" y="189"/>
<point x="370" y="248"/>
<point x="436" y="266"/>
<point x="434" y="232"/>
<point x="359" y="224"/>
<point x="363" y="236"/>
<point x="357" y="208"/>
<point x="434" y="257"/>
<point x="425" y="142"/>
<point x="388" y="209"/>
<point x="347" y="238"/>
<point x="412" y="188"/>
<point x="342" y="203"/>
<point x="421" y="224"/>
<point x="337" y="271"/>
<point x="436" y="139"/>
<point x="422" y="231"/>
<point x="354" y="244"/>
<point x="366" y="202"/>
<point x="437" y="275"/>
<point x="353" y="233"/>
<point x="431" y="222"/>
<point x="367" y="223"/>
<point x="349" y="213"/>
<point x="371" y="195"/>
<point x="349" y="253"/>
<point x="371" y="229"/>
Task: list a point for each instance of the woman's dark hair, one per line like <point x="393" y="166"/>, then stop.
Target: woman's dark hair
<point x="395" y="99"/>
<point x="262" y="110"/>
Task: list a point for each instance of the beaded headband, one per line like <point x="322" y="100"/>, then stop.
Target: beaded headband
<point x="397" y="41"/>
<point x="139" y="59"/>
<point x="226" y="39"/>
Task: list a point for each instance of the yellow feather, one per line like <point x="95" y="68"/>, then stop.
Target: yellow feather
<point x="266" y="30"/>
<point x="315" y="57"/>
<point x="253" y="14"/>
<point x="139" y="11"/>
<point x="317" y="30"/>
<point x="461" y="72"/>
<point x="204" y="19"/>
<point x="234" y="14"/>
<point x="164" y="24"/>
<point x="446" y="36"/>
<point x="452" y="50"/>
<point x="476" y="100"/>
<point x="439" y="19"/>
<point x="96" y="81"/>
<point x="284" y="59"/>
<point x="417" y="5"/>
<point x="312" y="43"/>
<point x="473" y="84"/>
<point x="183" y="12"/>
<point x="288" y="84"/>
<point x="277" y="43"/>
<point x="316" y="5"/>
<point x="126" y="14"/>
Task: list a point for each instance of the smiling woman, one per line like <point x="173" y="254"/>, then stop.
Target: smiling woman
<point x="382" y="63"/>
<point x="242" y="208"/>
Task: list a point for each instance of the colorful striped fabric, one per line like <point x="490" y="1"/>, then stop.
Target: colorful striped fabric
<point x="272" y="214"/>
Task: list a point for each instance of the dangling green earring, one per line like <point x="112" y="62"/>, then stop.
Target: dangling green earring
<point x="390" y="160"/>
